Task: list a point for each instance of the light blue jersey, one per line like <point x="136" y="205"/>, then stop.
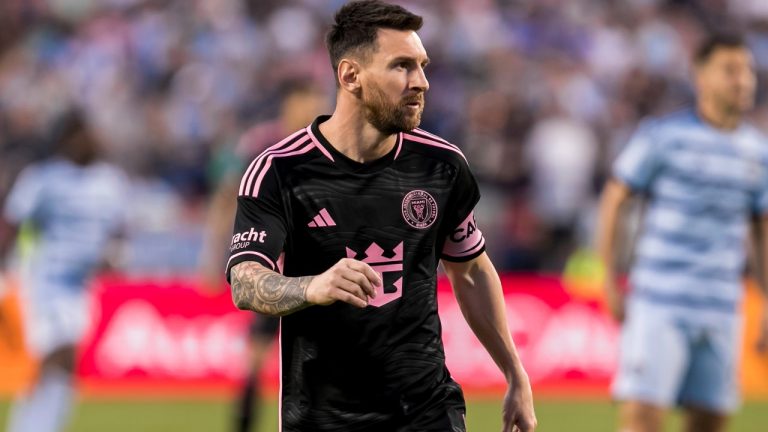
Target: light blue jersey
<point x="75" y="209"/>
<point x="703" y="186"/>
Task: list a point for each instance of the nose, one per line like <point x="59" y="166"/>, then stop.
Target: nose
<point x="419" y="80"/>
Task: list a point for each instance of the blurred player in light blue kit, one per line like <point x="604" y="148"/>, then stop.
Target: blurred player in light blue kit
<point x="704" y="174"/>
<point x="75" y="202"/>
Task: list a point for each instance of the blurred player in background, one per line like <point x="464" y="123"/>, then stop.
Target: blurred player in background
<point x="301" y="102"/>
<point x="75" y="202"/>
<point x="361" y="207"/>
<point x="704" y="172"/>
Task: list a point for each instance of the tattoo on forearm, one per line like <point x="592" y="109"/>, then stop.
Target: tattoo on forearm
<point x="259" y="289"/>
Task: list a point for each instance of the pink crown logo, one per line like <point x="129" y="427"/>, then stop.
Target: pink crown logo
<point x="374" y="256"/>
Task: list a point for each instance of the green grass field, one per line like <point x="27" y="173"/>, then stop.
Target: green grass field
<point x="211" y="416"/>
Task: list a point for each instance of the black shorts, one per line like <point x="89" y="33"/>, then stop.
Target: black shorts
<point x="263" y="327"/>
<point x="438" y="419"/>
<point x="447" y="419"/>
<point x="444" y="411"/>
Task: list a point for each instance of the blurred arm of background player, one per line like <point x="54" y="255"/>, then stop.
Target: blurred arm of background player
<point x="612" y="203"/>
<point x="479" y="293"/>
<point x="760" y="266"/>
<point x="218" y="230"/>
<point x="8" y="233"/>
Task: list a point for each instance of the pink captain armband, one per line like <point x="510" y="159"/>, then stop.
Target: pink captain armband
<point x="465" y="241"/>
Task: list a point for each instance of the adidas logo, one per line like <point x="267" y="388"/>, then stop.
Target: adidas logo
<point x="322" y="219"/>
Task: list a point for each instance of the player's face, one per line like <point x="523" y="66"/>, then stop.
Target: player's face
<point x="728" y="79"/>
<point x="301" y="107"/>
<point x="394" y="83"/>
<point x="81" y="147"/>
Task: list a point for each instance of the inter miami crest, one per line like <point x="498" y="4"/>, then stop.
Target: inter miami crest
<point x="419" y="209"/>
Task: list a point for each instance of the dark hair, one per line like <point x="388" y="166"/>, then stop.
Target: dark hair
<point x="356" y="25"/>
<point x="717" y="40"/>
<point x="73" y="138"/>
<point x="69" y="124"/>
<point x="297" y="86"/>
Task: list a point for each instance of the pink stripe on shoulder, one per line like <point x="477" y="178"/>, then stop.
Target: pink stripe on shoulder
<point x="434" y="143"/>
<point x="433" y="136"/>
<point x="252" y="168"/>
<point x="424" y="134"/>
<point x="317" y="143"/>
<point x="306" y="148"/>
<point x="262" y="164"/>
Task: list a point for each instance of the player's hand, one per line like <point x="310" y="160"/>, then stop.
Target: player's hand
<point x="518" y="413"/>
<point x="762" y="339"/>
<point x="211" y="280"/>
<point x="349" y="280"/>
<point x="615" y="300"/>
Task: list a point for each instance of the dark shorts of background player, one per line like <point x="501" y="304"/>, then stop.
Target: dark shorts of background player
<point x="263" y="327"/>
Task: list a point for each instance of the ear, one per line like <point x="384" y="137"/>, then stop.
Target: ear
<point x="348" y="75"/>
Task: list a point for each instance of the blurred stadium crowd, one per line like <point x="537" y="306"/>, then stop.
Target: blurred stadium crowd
<point x="540" y="94"/>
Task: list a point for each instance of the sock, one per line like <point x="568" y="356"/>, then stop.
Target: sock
<point x="47" y="407"/>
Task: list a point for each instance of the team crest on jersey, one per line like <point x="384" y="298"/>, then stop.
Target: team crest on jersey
<point x="419" y="209"/>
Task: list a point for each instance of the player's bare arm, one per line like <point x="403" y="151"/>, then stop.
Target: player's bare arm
<point x="257" y="288"/>
<point x="478" y="291"/>
<point x="218" y="228"/>
<point x="615" y="195"/>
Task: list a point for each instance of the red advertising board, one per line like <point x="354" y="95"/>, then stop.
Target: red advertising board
<point x="152" y="335"/>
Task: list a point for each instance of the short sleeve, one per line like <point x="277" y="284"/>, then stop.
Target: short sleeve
<point x="464" y="240"/>
<point x="25" y="196"/>
<point x="639" y="162"/>
<point x="260" y="226"/>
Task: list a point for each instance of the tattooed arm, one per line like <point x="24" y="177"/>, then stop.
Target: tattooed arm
<point x="256" y="288"/>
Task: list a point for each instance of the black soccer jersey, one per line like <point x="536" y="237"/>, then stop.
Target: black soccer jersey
<point x="381" y="367"/>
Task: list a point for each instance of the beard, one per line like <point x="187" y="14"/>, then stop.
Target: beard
<point x="387" y="117"/>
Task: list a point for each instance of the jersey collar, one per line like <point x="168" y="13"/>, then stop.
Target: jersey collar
<point x="343" y="161"/>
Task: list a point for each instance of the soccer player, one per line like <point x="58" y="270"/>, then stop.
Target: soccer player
<point x="301" y="101"/>
<point x="358" y="209"/>
<point x="75" y="202"/>
<point x="704" y="173"/>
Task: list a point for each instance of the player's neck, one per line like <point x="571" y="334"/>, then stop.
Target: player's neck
<point x="355" y="138"/>
<point x="717" y="117"/>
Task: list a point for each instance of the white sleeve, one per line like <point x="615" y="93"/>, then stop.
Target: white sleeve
<point x="25" y="196"/>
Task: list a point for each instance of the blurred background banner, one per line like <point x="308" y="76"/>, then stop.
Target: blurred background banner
<point x="153" y="335"/>
<point x="163" y="336"/>
<point x="16" y="365"/>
